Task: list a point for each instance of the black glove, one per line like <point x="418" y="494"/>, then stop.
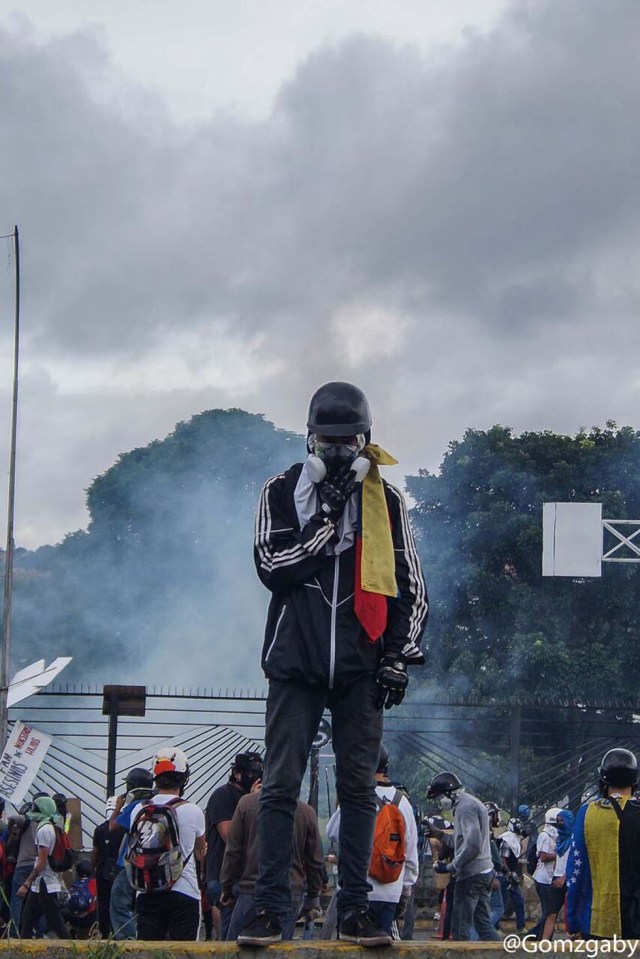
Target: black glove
<point x="335" y="492"/>
<point x="392" y="681"/>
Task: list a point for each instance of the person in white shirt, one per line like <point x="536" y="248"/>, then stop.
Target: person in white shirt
<point x="41" y="887"/>
<point x="386" y="900"/>
<point x="543" y="876"/>
<point x="174" y="913"/>
<point x="558" y="888"/>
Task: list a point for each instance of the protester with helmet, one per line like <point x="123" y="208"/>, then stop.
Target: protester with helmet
<point x="471" y="865"/>
<point x="245" y="777"/>
<point x="603" y="869"/>
<point x="334" y="546"/>
<point x="138" y="786"/>
<point x="511" y="872"/>
<point x="174" y="912"/>
<point x="42" y="886"/>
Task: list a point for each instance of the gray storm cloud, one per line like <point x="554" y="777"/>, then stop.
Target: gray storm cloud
<point x="456" y="232"/>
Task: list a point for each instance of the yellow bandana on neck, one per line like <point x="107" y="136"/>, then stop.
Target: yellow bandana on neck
<point x="378" y="561"/>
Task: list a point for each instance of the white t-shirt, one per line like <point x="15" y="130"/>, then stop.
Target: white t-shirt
<point x="544" y="870"/>
<point x="390" y="891"/>
<point x="190" y="827"/>
<point x="46" y="836"/>
<point x="560" y="866"/>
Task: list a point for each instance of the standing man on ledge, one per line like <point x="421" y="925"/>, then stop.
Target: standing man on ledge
<point x="348" y="609"/>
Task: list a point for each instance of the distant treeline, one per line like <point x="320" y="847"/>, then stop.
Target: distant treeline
<point x="161" y="586"/>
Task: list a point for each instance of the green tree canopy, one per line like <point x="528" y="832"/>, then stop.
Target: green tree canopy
<point x="498" y="627"/>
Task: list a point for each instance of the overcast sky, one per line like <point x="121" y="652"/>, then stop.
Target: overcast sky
<point x="227" y="203"/>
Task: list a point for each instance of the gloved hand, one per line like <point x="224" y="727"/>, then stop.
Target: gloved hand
<point x="311" y="908"/>
<point x="392" y="681"/>
<point x="442" y="867"/>
<point x="335" y="492"/>
<point x="403" y="902"/>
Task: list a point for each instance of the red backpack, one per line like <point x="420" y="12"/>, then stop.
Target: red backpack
<point x="61" y="858"/>
<point x="388" y="851"/>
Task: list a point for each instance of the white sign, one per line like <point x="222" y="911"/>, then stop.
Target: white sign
<point x="21" y="760"/>
<point x="572" y="539"/>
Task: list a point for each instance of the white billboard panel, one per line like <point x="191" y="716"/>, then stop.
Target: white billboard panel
<point x="572" y="539"/>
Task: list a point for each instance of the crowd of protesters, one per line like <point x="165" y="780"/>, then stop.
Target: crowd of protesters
<point x="143" y="881"/>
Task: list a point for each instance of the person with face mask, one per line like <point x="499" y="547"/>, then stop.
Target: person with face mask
<point x="138" y="786"/>
<point x="245" y="777"/>
<point x="543" y="876"/>
<point x="42" y="886"/>
<point x="334" y="546"/>
<point x="603" y="868"/>
<point x="472" y="865"/>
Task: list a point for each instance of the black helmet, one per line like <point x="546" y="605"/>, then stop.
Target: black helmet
<point x="248" y="762"/>
<point x="494" y="813"/>
<point x="139" y="778"/>
<point x="443" y="784"/>
<point x="619" y="767"/>
<point x="84" y="868"/>
<point x="339" y="409"/>
<point x="383" y="759"/>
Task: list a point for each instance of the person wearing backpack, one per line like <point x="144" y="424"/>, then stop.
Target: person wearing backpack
<point x="393" y="867"/>
<point x="166" y="838"/>
<point x="81" y="909"/>
<point x="40" y="890"/>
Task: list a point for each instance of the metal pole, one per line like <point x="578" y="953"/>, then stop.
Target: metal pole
<point x="112" y="745"/>
<point x="516" y="725"/>
<point x="8" y="557"/>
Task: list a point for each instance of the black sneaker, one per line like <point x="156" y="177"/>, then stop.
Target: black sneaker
<point x="360" y="928"/>
<point x="264" y="930"/>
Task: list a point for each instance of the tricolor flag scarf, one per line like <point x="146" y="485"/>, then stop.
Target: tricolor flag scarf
<point x="375" y="560"/>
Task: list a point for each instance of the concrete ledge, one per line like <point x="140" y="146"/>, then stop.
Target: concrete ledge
<point x="315" y="949"/>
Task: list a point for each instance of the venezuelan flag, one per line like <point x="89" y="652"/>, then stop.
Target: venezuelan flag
<point x="593" y="871"/>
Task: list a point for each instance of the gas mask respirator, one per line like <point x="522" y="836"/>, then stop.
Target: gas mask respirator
<point x="137" y="794"/>
<point x="328" y="460"/>
<point x="446" y="802"/>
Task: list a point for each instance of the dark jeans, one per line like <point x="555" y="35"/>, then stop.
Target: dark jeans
<point x="509" y="889"/>
<point x="294" y="711"/>
<point x="42" y="903"/>
<point x="103" y="903"/>
<point x="121" y="907"/>
<point x="471" y="907"/>
<point x="167" y="915"/>
<point x="383" y="913"/>
<point x="244" y="912"/>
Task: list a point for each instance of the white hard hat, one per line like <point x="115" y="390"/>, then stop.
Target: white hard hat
<point x="551" y="816"/>
<point x="170" y="759"/>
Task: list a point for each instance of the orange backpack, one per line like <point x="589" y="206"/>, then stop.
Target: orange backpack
<point x="388" y="853"/>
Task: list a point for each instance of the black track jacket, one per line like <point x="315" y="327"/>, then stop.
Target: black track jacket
<point x="312" y="633"/>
